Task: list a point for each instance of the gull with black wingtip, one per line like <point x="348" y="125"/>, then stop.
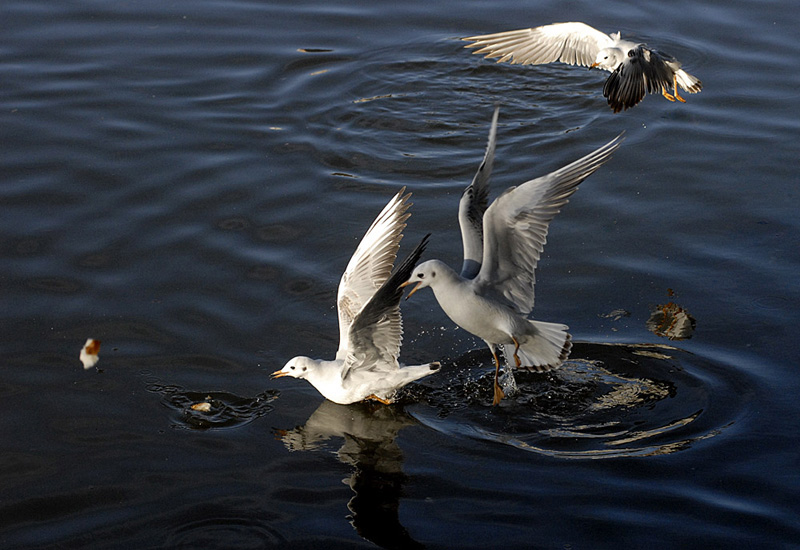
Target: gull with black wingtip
<point x="494" y="304"/>
<point x="635" y="68"/>
<point x="370" y="325"/>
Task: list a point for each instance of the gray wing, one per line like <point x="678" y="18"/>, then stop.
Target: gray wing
<point x="370" y="266"/>
<point x="643" y="71"/>
<point x="515" y="228"/>
<point x="572" y="43"/>
<point x="473" y="204"/>
<point x="376" y="333"/>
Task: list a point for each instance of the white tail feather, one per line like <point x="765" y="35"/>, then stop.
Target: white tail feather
<point x="688" y="82"/>
<point x="546" y="349"/>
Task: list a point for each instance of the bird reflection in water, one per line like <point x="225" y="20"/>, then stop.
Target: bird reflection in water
<point x="369" y="432"/>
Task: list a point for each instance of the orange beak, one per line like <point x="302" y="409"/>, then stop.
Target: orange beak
<point x="278" y="374"/>
<point x="595" y="64"/>
<point x="413" y="290"/>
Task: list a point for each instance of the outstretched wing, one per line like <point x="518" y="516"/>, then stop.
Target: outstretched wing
<point x="376" y="333"/>
<point x="371" y="265"/>
<point x="642" y="71"/>
<point x="572" y="43"/>
<point x="473" y="204"/>
<point x="515" y="228"/>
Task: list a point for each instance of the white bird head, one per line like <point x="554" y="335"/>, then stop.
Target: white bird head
<point x="609" y="58"/>
<point x="424" y="275"/>
<point x="297" y="367"/>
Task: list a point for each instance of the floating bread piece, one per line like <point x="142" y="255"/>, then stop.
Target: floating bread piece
<point x="90" y="353"/>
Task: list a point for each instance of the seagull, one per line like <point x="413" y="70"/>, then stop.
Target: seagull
<point x="370" y="324"/>
<point x="635" y="68"/>
<point x="495" y="304"/>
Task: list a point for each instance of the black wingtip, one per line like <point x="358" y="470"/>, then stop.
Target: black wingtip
<point x="416" y="254"/>
<point x="403" y="271"/>
<point x="390" y="292"/>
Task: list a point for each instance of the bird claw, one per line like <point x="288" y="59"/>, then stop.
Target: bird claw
<point x="374" y="397"/>
<point x="498" y="394"/>
<point x="677" y="96"/>
<point x="516" y="349"/>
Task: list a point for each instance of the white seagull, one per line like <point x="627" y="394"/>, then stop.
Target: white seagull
<point x="370" y="324"/>
<point x="495" y="304"/>
<point x="635" y="68"/>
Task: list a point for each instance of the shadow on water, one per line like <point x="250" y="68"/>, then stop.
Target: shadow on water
<point x="607" y="401"/>
<point x="369" y="432"/>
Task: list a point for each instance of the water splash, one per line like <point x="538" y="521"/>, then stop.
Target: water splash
<point x="200" y="410"/>
<point x="607" y="401"/>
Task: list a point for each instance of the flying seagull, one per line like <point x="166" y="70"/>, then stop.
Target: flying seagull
<point x="370" y="324"/>
<point x="635" y="68"/>
<point x="496" y="303"/>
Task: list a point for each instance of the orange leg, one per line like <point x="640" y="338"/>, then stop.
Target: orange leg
<point x="667" y="95"/>
<point x="516" y="349"/>
<point x="379" y="399"/>
<point x="675" y="87"/>
<point x="498" y="392"/>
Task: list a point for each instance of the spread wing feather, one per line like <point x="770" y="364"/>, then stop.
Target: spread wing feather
<point x="370" y="266"/>
<point x="515" y="228"/>
<point x="377" y="331"/>
<point x="572" y="43"/>
<point x="472" y="206"/>
<point x="643" y="71"/>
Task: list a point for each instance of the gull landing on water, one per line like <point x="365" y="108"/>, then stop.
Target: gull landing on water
<point x="370" y="325"/>
<point x="635" y="68"/>
<point x="509" y="238"/>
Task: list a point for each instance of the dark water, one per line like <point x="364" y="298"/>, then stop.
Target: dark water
<point x="185" y="181"/>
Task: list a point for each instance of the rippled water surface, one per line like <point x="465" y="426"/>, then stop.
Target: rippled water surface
<point x="186" y="181"/>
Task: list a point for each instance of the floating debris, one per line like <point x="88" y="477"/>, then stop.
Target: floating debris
<point x="616" y="314"/>
<point x="373" y="98"/>
<point x="671" y="321"/>
<point x="90" y="353"/>
<point x="205" y="407"/>
<point x="212" y="410"/>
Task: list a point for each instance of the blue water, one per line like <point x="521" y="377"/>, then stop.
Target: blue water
<point x="186" y="181"/>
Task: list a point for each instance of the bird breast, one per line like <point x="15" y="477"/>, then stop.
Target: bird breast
<point x="475" y="313"/>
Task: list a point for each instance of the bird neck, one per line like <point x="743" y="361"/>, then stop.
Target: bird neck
<point x="326" y="376"/>
<point x="446" y="279"/>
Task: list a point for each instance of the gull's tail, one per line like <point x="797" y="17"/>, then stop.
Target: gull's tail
<point x="415" y="372"/>
<point x="545" y="348"/>
<point x="688" y="82"/>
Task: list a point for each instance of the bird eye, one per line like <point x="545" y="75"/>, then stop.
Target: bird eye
<point x="421" y="275"/>
<point x="292" y="367"/>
